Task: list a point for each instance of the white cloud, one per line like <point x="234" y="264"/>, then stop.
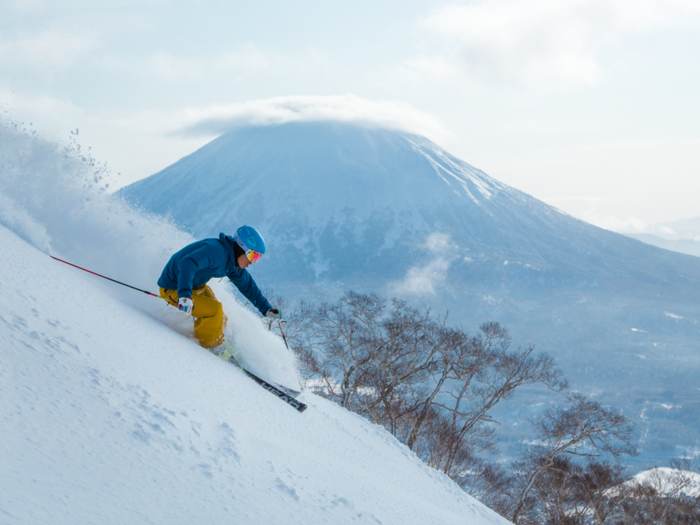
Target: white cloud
<point x="49" y="7"/>
<point x="247" y="56"/>
<point x="169" y="67"/>
<point x="623" y="225"/>
<point x="217" y="119"/>
<point x="166" y="66"/>
<point x="44" y="113"/>
<point x="49" y="50"/>
<point x="424" y="279"/>
<point x="545" y="42"/>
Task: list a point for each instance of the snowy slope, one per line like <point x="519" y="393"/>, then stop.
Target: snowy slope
<point x="666" y="480"/>
<point x="109" y="413"/>
<point x="109" y="416"/>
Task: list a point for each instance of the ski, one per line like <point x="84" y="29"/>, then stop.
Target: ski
<point x="285" y="394"/>
<point x="294" y="403"/>
<point x="228" y="356"/>
<point x="286" y="390"/>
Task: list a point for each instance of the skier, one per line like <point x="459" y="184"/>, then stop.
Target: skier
<point x="184" y="280"/>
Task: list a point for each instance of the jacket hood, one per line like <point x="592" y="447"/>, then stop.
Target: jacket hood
<point x="228" y="243"/>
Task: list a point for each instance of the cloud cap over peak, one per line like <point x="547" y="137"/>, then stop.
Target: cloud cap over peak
<point x="219" y="119"/>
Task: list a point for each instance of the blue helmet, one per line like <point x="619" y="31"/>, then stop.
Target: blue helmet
<point x="248" y="238"/>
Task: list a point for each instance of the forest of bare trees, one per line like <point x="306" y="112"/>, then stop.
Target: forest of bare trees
<point x="435" y="387"/>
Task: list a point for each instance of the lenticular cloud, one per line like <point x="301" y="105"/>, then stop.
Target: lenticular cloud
<point x="215" y="120"/>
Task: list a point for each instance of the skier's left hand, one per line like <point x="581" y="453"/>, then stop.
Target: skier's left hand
<point x="274" y="313"/>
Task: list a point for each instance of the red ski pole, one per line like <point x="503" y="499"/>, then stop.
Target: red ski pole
<point x="113" y="280"/>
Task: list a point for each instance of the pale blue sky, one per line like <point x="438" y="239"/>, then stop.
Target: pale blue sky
<point x="589" y="105"/>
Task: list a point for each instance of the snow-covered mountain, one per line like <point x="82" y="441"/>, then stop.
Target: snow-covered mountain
<point x="344" y="206"/>
<point x="109" y="413"/>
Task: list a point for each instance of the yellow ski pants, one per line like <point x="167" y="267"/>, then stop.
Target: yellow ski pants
<point x="210" y="319"/>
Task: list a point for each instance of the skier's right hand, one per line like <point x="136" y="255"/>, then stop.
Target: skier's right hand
<point x="186" y="305"/>
<point x="274" y="313"/>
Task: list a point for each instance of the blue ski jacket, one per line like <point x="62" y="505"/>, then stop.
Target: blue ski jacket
<point x="198" y="262"/>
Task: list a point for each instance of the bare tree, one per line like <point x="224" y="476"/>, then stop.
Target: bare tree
<point x="599" y="492"/>
<point x="664" y="497"/>
<point x="555" y="493"/>
<point x="584" y="429"/>
<point x="432" y="386"/>
<point x="593" y="492"/>
<point x="490" y="483"/>
<point x="363" y="357"/>
<point x="478" y="389"/>
<point x="575" y="493"/>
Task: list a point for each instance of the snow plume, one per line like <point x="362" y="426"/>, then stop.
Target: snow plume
<point x="55" y="196"/>
<point x="17" y="219"/>
<point x="216" y="120"/>
<point x="422" y="280"/>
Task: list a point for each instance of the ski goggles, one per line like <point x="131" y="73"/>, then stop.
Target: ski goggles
<point x="253" y="256"/>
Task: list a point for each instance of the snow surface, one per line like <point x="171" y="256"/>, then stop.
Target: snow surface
<point x="110" y="413"/>
<point x="109" y="416"/>
<point x="661" y="477"/>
